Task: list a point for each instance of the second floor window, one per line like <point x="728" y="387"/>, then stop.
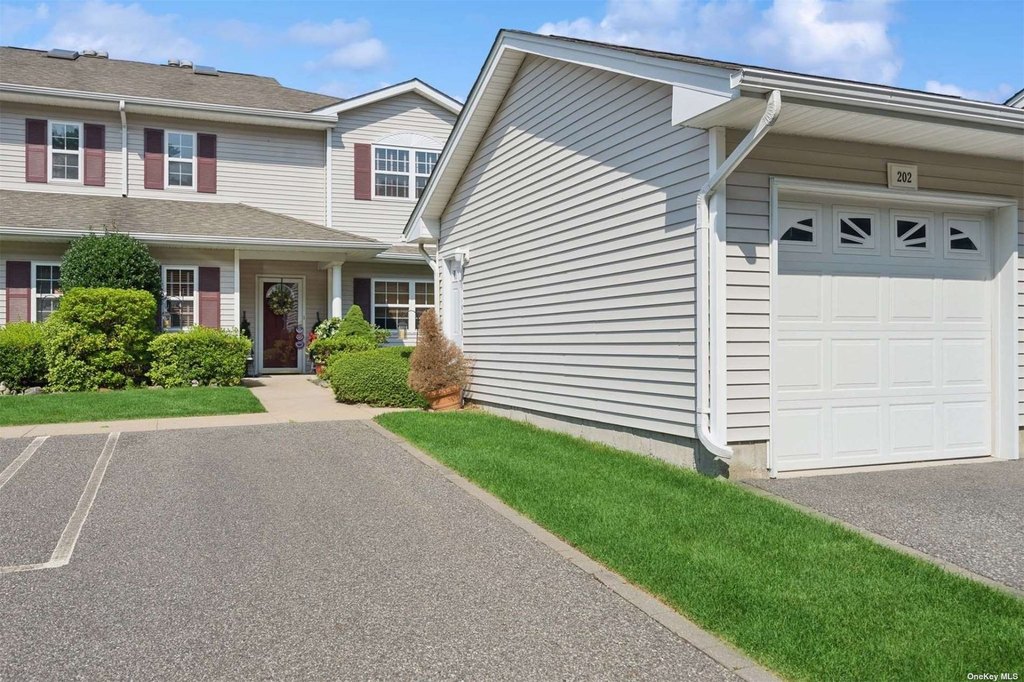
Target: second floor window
<point x="401" y="173"/>
<point x="65" y="151"/>
<point x="180" y="159"/>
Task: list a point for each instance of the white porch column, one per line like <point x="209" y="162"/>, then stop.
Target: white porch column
<point x="336" y="290"/>
<point x="238" y="293"/>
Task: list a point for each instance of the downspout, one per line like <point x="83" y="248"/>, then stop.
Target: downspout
<point x="427" y="257"/>
<point x="703" y="294"/>
<point x="124" y="149"/>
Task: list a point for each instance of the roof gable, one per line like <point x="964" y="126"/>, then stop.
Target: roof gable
<point x="414" y="85"/>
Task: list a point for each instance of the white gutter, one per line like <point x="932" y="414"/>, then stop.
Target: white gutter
<point x="201" y="239"/>
<point x="427" y="257"/>
<point x="197" y="109"/>
<point x="702" y="276"/>
<point x="124" y="149"/>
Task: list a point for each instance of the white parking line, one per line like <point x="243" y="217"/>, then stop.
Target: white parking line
<point x="25" y="455"/>
<point x="66" y="545"/>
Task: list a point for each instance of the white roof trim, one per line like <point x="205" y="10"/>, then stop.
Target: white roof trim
<point x="93" y="100"/>
<point x="415" y="86"/>
<point x="200" y="239"/>
<point x="720" y="86"/>
<point x="1016" y="100"/>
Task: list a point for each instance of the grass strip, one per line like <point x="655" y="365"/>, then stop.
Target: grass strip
<point x="805" y="597"/>
<point x="59" y="408"/>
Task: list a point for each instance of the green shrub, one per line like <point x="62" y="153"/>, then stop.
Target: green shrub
<point x="99" y="338"/>
<point x="323" y="349"/>
<point x="22" y="360"/>
<point x="375" y="377"/>
<point x="111" y="260"/>
<point x="209" y="356"/>
<point x="354" y="324"/>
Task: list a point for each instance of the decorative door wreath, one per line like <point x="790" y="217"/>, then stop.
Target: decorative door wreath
<point x="281" y="299"/>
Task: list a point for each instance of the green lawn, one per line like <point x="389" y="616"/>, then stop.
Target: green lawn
<point x="131" y="404"/>
<point x="805" y="597"/>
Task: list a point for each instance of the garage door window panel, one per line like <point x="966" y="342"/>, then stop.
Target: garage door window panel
<point x="855" y="231"/>
<point x="800" y="227"/>
<point x="964" y="237"/>
<point x="913" y="234"/>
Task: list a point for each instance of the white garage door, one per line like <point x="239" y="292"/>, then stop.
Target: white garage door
<point x="882" y="336"/>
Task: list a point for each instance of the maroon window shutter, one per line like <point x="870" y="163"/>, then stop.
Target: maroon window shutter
<point x="209" y="297"/>
<point x="95" y="155"/>
<point x="153" y="162"/>
<point x="361" y="296"/>
<point x="19" y="291"/>
<point x="207" y="160"/>
<point x="35" y="150"/>
<point x="364" y="172"/>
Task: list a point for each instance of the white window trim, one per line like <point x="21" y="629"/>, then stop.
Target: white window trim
<point x="814" y="245"/>
<point x="164" y="297"/>
<point x="412" y="305"/>
<point x="50" y="151"/>
<point x="947" y="239"/>
<point x="33" y="314"/>
<point x="898" y="249"/>
<point x="167" y="160"/>
<point x="839" y="212"/>
<point x="411" y="175"/>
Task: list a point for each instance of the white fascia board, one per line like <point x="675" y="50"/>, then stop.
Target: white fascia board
<point x="211" y="240"/>
<point x="709" y="80"/>
<point x="14" y="92"/>
<point x="416" y="86"/>
<point x="811" y="89"/>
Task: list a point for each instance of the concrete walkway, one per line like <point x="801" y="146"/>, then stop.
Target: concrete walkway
<point x="287" y="398"/>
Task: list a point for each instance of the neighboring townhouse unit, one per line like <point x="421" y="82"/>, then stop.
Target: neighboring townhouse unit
<point x="684" y="256"/>
<point x="236" y="183"/>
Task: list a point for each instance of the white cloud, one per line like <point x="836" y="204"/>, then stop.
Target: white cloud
<point x="999" y="94"/>
<point x="337" y="32"/>
<point x="844" y="38"/>
<point x="126" y="31"/>
<point x="16" y="18"/>
<point x="351" y="44"/>
<point x="243" y="32"/>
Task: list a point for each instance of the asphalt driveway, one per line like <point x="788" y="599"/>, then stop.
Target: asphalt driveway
<point x="317" y="550"/>
<point x="971" y="515"/>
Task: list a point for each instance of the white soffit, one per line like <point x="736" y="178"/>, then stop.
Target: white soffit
<point x="849" y="124"/>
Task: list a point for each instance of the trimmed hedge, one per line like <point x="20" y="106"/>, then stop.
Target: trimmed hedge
<point x="209" y="356"/>
<point x="22" y="359"/>
<point x="111" y="260"/>
<point x="99" y="338"/>
<point x="376" y="377"/>
<point x="323" y="349"/>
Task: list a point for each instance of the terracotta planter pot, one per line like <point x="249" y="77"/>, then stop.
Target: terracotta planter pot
<point x="445" y="399"/>
<point x="319" y="368"/>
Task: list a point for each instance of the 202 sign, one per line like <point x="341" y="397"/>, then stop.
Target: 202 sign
<point x="902" y="176"/>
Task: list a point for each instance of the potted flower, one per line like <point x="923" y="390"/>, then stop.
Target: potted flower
<point x="437" y="368"/>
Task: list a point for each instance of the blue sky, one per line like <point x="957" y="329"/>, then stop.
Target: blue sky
<point x="970" y="48"/>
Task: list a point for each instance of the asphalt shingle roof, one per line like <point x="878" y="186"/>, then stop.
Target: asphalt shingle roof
<point x="47" y="210"/>
<point x="141" y="79"/>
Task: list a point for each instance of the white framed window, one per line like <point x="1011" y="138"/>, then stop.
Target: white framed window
<point x="800" y="227"/>
<point x="180" y="297"/>
<point x="398" y="304"/>
<point x="964" y="236"/>
<point x="913" y="234"/>
<point x="180" y="160"/>
<point x="65" y="148"/>
<point x="401" y="173"/>
<point x="855" y="231"/>
<point x="46" y="291"/>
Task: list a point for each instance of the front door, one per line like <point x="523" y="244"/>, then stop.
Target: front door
<point x="282" y="337"/>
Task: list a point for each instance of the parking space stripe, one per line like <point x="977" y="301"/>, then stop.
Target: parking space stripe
<point x="66" y="545"/>
<point x="25" y="456"/>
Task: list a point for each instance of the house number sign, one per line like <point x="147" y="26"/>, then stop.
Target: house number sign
<point x="902" y="176"/>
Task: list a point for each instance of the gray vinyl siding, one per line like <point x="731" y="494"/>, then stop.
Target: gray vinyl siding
<point x="275" y="169"/>
<point x="54" y="251"/>
<point x="748" y="236"/>
<point x="12" y="147"/>
<point x="378" y="218"/>
<point x="578" y="212"/>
